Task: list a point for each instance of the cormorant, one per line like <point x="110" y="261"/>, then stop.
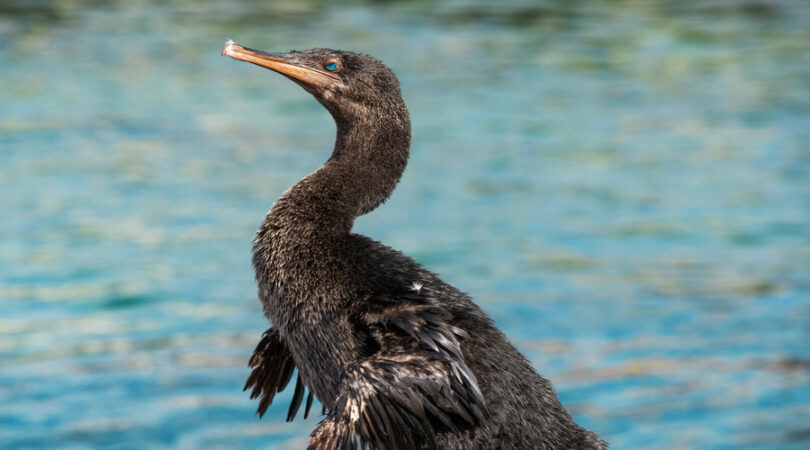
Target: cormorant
<point x="398" y="358"/>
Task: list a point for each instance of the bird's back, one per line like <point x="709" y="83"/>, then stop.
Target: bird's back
<point x="523" y="410"/>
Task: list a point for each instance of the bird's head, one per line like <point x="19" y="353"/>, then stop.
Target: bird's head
<point x="350" y="85"/>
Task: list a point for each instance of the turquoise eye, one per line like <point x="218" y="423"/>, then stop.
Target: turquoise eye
<point x="331" y="66"/>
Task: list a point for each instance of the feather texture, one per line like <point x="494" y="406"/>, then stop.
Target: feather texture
<point x="273" y="368"/>
<point x="397" y="399"/>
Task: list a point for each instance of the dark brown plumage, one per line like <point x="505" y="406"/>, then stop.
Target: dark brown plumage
<point x="398" y="358"/>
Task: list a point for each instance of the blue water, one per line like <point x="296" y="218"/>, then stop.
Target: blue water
<point x="623" y="186"/>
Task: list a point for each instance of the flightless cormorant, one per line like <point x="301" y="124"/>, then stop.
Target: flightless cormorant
<point x="398" y="358"/>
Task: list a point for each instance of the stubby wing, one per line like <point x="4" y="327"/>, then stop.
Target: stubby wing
<point x="418" y="384"/>
<point x="273" y="368"/>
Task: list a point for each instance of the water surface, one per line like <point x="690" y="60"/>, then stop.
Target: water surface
<point x="623" y="187"/>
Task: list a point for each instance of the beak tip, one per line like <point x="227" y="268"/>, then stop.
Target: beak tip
<point x="226" y="49"/>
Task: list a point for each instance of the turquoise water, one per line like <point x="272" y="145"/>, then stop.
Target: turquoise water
<point x="624" y="187"/>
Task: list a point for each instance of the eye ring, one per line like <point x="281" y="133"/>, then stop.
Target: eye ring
<point x="332" y="65"/>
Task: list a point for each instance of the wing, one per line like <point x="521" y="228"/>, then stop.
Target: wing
<point x="273" y="368"/>
<point x="417" y="385"/>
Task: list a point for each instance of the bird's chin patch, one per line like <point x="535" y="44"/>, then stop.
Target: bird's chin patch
<point x="328" y="94"/>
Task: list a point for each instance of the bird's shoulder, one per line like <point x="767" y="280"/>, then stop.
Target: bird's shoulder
<point x="395" y="284"/>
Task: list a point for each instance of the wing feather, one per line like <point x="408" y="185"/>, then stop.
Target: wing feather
<point x="401" y="396"/>
<point x="309" y="404"/>
<point x="295" y="403"/>
<point x="272" y="369"/>
<point x="398" y="402"/>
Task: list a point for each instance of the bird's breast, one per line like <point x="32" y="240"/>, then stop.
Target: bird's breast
<point x="305" y="298"/>
<point x="322" y="347"/>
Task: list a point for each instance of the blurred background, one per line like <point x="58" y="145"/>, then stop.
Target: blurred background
<point x="623" y="186"/>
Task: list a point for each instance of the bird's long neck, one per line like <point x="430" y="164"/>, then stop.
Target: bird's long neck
<point x="370" y="155"/>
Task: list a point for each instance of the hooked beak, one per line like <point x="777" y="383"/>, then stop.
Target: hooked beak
<point x="282" y="63"/>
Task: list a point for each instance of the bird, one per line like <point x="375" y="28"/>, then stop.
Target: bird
<point x="398" y="358"/>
